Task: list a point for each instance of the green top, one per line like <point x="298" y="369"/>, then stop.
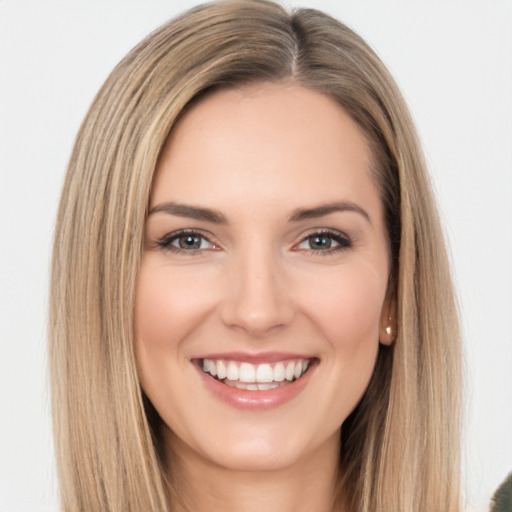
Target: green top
<point x="502" y="499"/>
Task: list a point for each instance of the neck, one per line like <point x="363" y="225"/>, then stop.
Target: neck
<point x="307" y="484"/>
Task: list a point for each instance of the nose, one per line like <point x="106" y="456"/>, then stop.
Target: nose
<point x="258" y="298"/>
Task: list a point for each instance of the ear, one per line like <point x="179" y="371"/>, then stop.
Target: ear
<point x="388" y="324"/>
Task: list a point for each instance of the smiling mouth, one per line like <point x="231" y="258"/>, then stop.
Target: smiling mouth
<point x="255" y="377"/>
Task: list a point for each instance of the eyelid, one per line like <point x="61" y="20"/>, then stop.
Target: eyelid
<point x="165" y="242"/>
<point x="343" y="241"/>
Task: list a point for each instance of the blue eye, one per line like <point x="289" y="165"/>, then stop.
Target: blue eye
<point x="325" y="242"/>
<point x="320" y="242"/>
<point x="185" y="241"/>
<point x="188" y="242"/>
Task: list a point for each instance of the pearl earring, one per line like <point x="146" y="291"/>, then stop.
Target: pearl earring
<point x="388" y="330"/>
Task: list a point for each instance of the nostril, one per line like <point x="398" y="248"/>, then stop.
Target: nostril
<point x="256" y="297"/>
<point x="255" y="316"/>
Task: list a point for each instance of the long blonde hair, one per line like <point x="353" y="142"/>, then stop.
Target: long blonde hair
<point x="400" y="448"/>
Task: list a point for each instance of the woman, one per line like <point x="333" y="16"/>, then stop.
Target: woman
<point x="251" y="303"/>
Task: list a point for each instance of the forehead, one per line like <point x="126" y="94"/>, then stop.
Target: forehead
<point x="277" y="142"/>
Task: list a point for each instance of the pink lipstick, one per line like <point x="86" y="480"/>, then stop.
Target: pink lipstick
<point x="255" y="381"/>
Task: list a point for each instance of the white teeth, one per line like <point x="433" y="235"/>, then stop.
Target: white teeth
<point x="247" y="373"/>
<point x="252" y="386"/>
<point x="264" y="373"/>
<point x="232" y="373"/>
<point x="221" y="370"/>
<point x="270" y="385"/>
<point x="298" y="370"/>
<point x="279" y="372"/>
<point x="263" y="376"/>
<point x="243" y="385"/>
<point x="290" y="370"/>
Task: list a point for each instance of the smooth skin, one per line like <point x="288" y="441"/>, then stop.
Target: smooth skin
<point x="261" y="275"/>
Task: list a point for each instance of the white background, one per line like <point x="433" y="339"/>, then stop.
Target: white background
<point x="453" y="61"/>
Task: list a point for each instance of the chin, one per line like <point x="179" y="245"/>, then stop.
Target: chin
<point x="258" y="448"/>
<point x="257" y="456"/>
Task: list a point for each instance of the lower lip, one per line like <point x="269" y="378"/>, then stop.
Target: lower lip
<point x="256" y="400"/>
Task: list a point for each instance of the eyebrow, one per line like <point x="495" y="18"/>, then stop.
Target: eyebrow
<point x="326" y="209"/>
<point x="191" y="212"/>
<point x="217" y="217"/>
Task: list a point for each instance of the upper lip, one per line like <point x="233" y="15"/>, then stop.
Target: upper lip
<point x="255" y="357"/>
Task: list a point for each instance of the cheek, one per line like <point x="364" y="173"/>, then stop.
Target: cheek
<point x="347" y="312"/>
<point x="167" y="308"/>
<point x="167" y="305"/>
<point x="348" y="307"/>
<point x="164" y="313"/>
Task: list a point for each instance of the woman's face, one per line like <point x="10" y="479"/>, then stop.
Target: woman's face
<point x="266" y="255"/>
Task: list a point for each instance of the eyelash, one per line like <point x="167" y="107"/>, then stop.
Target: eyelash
<point x="166" y="241"/>
<point x="344" y="242"/>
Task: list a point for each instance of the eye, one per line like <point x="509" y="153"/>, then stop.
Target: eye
<point x="325" y="241"/>
<point x="186" y="241"/>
